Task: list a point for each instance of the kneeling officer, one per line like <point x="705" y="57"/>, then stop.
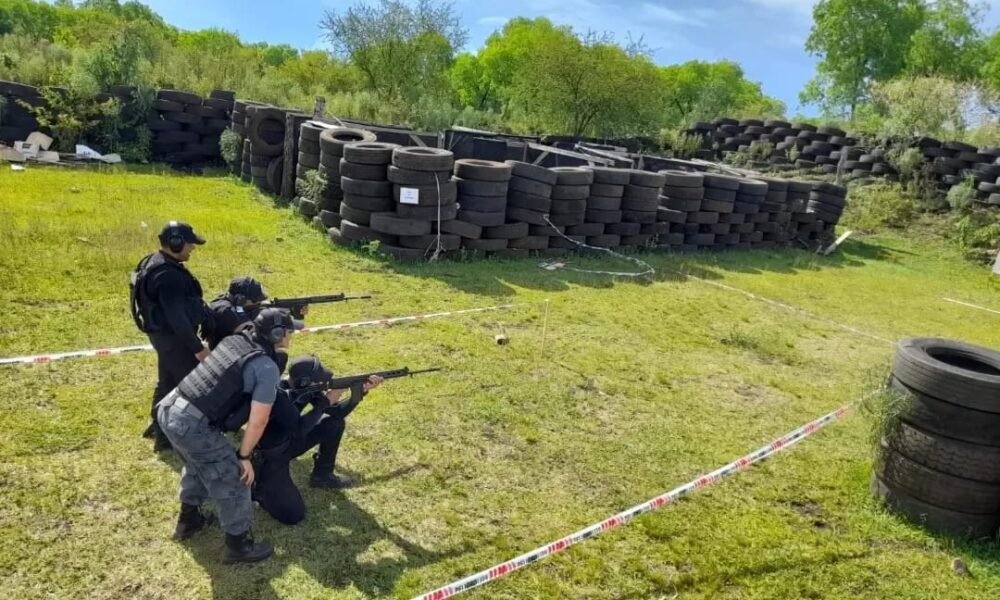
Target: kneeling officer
<point x="240" y="371"/>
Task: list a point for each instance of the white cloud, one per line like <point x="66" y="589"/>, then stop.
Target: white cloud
<point x="493" y="21"/>
<point x="668" y="15"/>
<point x="795" y="6"/>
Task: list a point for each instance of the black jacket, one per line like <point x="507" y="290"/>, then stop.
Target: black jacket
<point x="170" y="299"/>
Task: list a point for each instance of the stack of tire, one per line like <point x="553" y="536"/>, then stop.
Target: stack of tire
<point x="331" y="150"/>
<point x="569" y="208"/>
<point x="765" y="226"/>
<point x="640" y="205"/>
<point x="186" y="128"/>
<point x="603" y="209"/>
<point x="245" y="164"/>
<point x="827" y="201"/>
<point x="364" y="180"/>
<point x="939" y="465"/>
<point x="803" y="223"/>
<point x="422" y="193"/>
<point x="703" y="226"/>
<point x="17" y="121"/>
<point x="266" y="133"/>
<point x="681" y="196"/>
<point x="483" y="187"/>
<point x="991" y="190"/>
<point x="529" y="200"/>
<point x="775" y="205"/>
<point x="238" y="123"/>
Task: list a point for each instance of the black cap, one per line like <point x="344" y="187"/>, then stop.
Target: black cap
<point x="248" y="287"/>
<point x="307" y="370"/>
<point x="182" y="230"/>
<point x="271" y="319"/>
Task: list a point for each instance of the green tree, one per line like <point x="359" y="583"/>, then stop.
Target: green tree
<point x="701" y="91"/>
<point x="949" y="43"/>
<point x="35" y="19"/>
<point x="403" y="51"/>
<point x="858" y="42"/>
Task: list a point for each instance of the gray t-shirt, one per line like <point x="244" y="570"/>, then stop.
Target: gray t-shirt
<point x="260" y="379"/>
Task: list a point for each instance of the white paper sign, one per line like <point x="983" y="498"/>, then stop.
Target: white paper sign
<point x="85" y="152"/>
<point x="409" y="196"/>
<point x="28" y="150"/>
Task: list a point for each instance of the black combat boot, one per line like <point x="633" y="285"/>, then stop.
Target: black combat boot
<point x="242" y="549"/>
<point x="190" y="521"/>
<point x="323" y="477"/>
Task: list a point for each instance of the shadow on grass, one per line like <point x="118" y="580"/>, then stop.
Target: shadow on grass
<point x="339" y="545"/>
<point x="499" y="278"/>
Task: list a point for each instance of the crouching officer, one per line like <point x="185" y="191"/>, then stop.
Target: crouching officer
<point x="291" y="434"/>
<point x="240" y="371"/>
<point x="240" y="304"/>
<point x="167" y="305"/>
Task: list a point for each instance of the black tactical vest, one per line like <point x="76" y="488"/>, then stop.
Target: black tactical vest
<point x="215" y="386"/>
<point x="227" y="318"/>
<point x="146" y="310"/>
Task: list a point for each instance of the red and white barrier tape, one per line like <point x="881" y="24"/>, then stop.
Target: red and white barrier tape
<point x="47" y="358"/>
<point x="506" y="568"/>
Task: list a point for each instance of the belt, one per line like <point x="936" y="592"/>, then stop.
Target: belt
<point x="181" y="403"/>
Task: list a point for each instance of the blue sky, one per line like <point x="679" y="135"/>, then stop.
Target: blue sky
<point x="765" y="36"/>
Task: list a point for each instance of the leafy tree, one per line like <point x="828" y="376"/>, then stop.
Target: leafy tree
<point x="931" y="106"/>
<point x="700" y="91"/>
<point x="35" y="19"/>
<point x="949" y="43"/>
<point x="858" y="42"/>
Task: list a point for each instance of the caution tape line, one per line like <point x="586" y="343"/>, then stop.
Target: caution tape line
<point x="47" y="358"/>
<point x="508" y="567"/>
<point x="970" y="305"/>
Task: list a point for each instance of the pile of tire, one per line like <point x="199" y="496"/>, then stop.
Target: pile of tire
<point x="602" y="223"/>
<point x="483" y="222"/>
<point x="991" y="190"/>
<point x="681" y="196"/>
<point x="17" y="121"/>
<point x="640" y="205"/>
<point x="265" y="129"/>
<point x="367" y="190"/>
<point x="423" y="195"/>
<point x="569" y="206"/>
<point x="332" y="141"/>
<point x="775" y="215"/>
<point x="186" y="128"/>
<point x="238" y="123"/>
<point x="939" y="466"/>
<point x="827" y="201"/>
<point x="529" y="200"/>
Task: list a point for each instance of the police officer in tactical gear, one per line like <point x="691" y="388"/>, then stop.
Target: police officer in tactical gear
<point x="237" y="306"/>
<point x="290" y="434"/>
<point x="167" y="305"/>
<point x="241" y="370"/>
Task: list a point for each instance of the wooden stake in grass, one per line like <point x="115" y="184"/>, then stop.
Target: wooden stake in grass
<point x="545" y="324"/>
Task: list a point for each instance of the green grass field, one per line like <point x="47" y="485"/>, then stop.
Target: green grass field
<point x="638" y="387"/>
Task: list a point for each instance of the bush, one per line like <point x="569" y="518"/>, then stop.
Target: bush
<point x="978" y="235"/>
<point x="681" y="145"/>
<point x="71" y="115"/>
<point x="960" y="197"/>
<point x="877" y="206"/>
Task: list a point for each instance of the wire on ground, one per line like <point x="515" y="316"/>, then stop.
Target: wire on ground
<point x="496" y="572"/>
<point x="555" y="265"/>
<point x="970" y="305"/>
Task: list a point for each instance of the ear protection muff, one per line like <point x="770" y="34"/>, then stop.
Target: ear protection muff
<point x="277" y="334"/>
<point x="175" y="241"/>
<point x="241" y="299"/>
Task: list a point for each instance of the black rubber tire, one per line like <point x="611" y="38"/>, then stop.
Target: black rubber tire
<point x="562" y="242"/>
<point x="566" y="219"/>
<point x="355" y="215"/>
<point x="528" y="201"/>
<point x="310" y="161"/>
<point x="484" y="244"/>
<point x="523" y="215"/>
<point x="482" y="170"/>
<point x="357" y="232"/>
<point x="182" y="118"/>
<point x="602" y="217"/>
<point x="682" y="179"/>
<point x="959" y="147"/>
<point x="607" y="190"/>
<point x="570" y="192"/>
<point x="529" y="186"/>
<point x="310" y="132"/>
<point x="426" y="213"/>
<point x="330" y="218"/>
<point x="717" y="206"/>
<point x="474" y="187"/>
<point x="402" y="254"/>
<point x="951" y="371"/>
<point x="466" y="230"/>
<point x="275" y="172"/>
<point x="954" y="457"/>
<point x="605" y="240"/>
<point x="168" y="106"/>
<point x="179" y="96"/>
<point x="18" y="90"/>
<point x="507" y="231"/>
<point x="587" y="229"/>
<point x="333" y="140"/>
<point x="483" y="219"/>
<point x="623" y="229"/>
<point x="934" y="518"/>
<point x="263" y="141"/>
<point x="409" y="177"/>
<point x="428" y="243"/>
<point x="685" y="206"/>
<point x="639" y="216"/>
<point x="362" y="171"/>
<point x="646" y="179"/>
<point x="561" y="207"/>
<point x="638" y="240"/>
<point x="545" y="230"/>
<point x="483" y="203"/>
<point x="604" y="203"/>
<point x="611" y="176"/>
<point x="428" y="194"/>
<point x="393" y="224"/>
<point x="642" y="204"/>
<point x="259" y="172"/>
<point x="640" y="194"/>
<point x="934" y="487"/>
<point x="159" y="126"/>
<point x="573" y="176"/>
<point x="205" y="112"/>
<point x="721" y="182"/>
<point x="366" y="187"/>
<point x="530" y="242"/>
<point x="532" y="172"/>
<point x="752" y="187"/>
<point x="669" y="215"/>
<point x="369" y="153"/>
<point x="369" y="203"/>
<point x="687" y="193"/>
<point x="419" y="158"/>
<point x="221" y="104"/>
<point x="307" y="208"/>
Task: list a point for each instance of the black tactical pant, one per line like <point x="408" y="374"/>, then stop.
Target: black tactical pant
<point x="173" y="364"/>
<point x="274" y="489"/>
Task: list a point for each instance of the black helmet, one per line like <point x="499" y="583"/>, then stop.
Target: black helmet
<point x="304" y="371"/>
<point x="246" y="289"/>
<point x="273" y="324"/>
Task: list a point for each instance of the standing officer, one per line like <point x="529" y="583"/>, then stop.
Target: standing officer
<point x="240" y="371"/>
<point x="167" y="305"/>
<point x="291" y="434"/>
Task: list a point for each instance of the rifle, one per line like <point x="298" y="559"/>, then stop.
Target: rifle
<point x="295" y="305"/>
<point x="355" y="383"/>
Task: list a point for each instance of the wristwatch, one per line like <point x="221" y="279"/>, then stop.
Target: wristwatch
<point x="241" y="457"/>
